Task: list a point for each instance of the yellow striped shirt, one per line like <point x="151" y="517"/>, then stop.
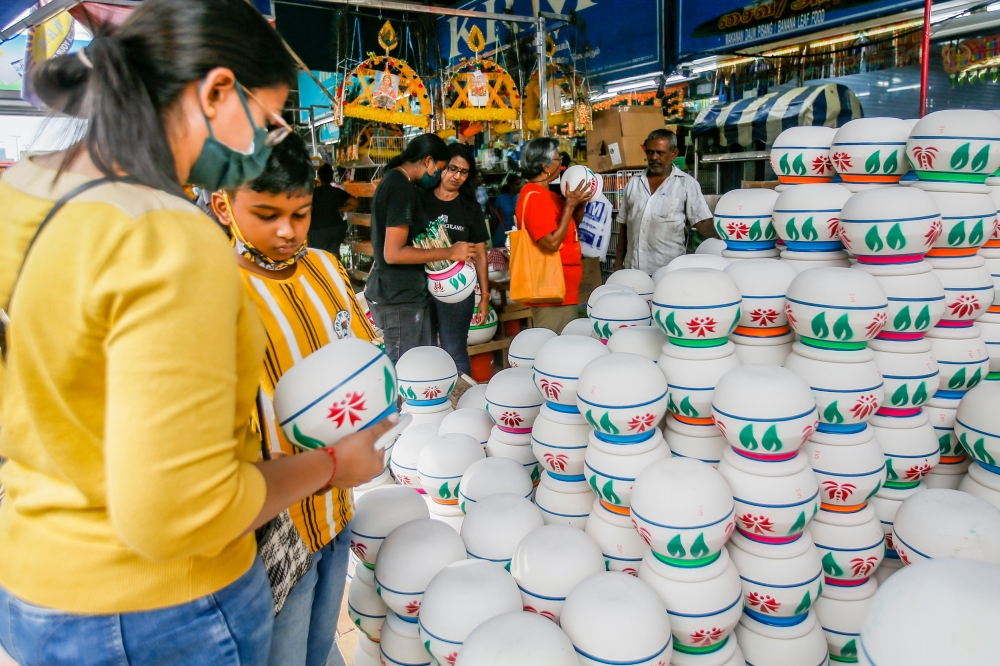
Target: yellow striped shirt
<point x="301" y="314"/>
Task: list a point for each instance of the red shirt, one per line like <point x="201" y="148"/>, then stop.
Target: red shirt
<point x="540" y="214"/>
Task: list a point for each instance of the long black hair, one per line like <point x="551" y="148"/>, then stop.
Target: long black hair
<point x="420" y="148"/>
<point x="468" y="188"/>
<point x="128" y="79"/>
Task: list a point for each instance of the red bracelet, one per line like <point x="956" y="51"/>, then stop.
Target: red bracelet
<point x="333" y="457"/>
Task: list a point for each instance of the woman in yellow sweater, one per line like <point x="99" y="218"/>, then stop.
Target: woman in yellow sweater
<point x="134" y="357"/>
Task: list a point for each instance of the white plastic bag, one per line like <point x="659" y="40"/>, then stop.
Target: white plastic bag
<point x="595" y="228"/>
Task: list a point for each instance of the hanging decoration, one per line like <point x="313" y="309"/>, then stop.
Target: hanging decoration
<point x="481" y="90"/>
<point x="386" y="89"/>
<point x="564" y="94"/>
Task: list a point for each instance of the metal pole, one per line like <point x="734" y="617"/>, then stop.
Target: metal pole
<point x="925" y="58"/>
<point x="312" y="130"/>
<point x="441" y="11"/>
<point x="543" y="101"/>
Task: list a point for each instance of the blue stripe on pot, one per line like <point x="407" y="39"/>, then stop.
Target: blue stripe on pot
<point x="767" y="420"/>
<point x="676" y="527"/>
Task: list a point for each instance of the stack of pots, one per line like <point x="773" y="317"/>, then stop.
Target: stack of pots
<point x="560" y="433"/>
<point x="762" y="335"/>
<point x="743" y="221"/>
<point x="638" y="280"/>
<point x="870" y="153"/>
<point x="989" y="323"/>
<point x="513" y="403"/>
<point x="806" y="220"/>
<point x="617" y="310"/>
<point x="801" y="156"/>
<point x="977" y="427"/>
<point x="441" y="465"/>
<point x="697" y="309"/>
<point x="427" y="376"/>
<point x="524" y="346"/>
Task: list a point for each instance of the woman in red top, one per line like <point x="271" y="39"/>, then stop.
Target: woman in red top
<point x="551" y="222"/>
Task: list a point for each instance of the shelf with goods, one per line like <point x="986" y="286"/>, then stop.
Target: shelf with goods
<point x="614" y="189"/>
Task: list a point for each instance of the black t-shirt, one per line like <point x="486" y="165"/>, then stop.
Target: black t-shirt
<point x="463" y="219"/>
<point x="327" y="202"/>
<point x="397" y="203"/>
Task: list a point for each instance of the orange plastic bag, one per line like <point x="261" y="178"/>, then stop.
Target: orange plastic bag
<point x="536" y="276"/>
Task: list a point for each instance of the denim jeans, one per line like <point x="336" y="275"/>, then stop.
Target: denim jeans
<point x="305" y="629"/>
<point x="403" y="327"/>
<point x="451" y="326"/>
<point x="231" y="627"/>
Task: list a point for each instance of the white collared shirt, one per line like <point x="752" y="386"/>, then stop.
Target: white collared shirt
<point x="656" y="222"/>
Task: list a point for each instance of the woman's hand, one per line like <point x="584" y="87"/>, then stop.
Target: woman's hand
<point x="462" y="251"/>
<point x="578" y="196"/>
<point x="482" y="311"/>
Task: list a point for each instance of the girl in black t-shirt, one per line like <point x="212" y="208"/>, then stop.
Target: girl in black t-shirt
<point x="453" y="204"/>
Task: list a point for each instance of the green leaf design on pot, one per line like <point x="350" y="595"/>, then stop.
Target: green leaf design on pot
<point x="606" y="331"/>
<point x="804" y="604"/>
<point x="783" y="164"/>
<point x="755" y="232"/>
<point x="769" y="232"/>
<point x="878" y="486"/>
<point x="872" y="239"/>
<point x="390" y="385"/>
<point x="895" y="237"/>
<point x="462" y="278"/>
<point x="901" y="321"/>
<point x="747" y="439"/>
<point x="891" y="163"/>
<point x="809" y="230"/>
<point x="536" y="474"/>
<point x="831" y="567"/>
<point x="849" y="651"/>
<point x="675" y="548"/>
<point x="607" y="425"/>
<point x="698" y="548"/>
<point x="798" y="166"/>
<point x="961" y="447"/>
<point x="958" y="379"/>
<point x="890" y="473"/>
<point x="899" y="396"/>
<point x="463" y="508"/>
<point x="718" y="227"/>
<point x="799" y="524"/>
<point x="454" y="283"/>
<point x="842" y="329"/>
<point x="873" y="163"/>
<point x="980" y="159"/>
<point x="305" y="440"/>
<point x="771" y="442"/>
<point x="671" y="406"/>
<point x="960" y="157"/>
<point x="791" y="231"/>
<point x="819" y="327"/>
<point x="607" y="565"/>
<point x="924" y="318"/>
<point x="658" y="320"/>
<point x="920" y="395"/>
<point x="593" y="486"/>
<point x="944" y="443"/>
<point x="686" y="407"/>
<point x="408" y="393"/>
<point x="443" y="491"/>
<point x="736" y="319"/>
<point x="976" y="377"/>
<point x="609" y="493"/>
<point x="979" y="449"/>
<point x="957" y="234"/>
<point x="427" y="646"/>
<point x="591" y="421"/>
<point x="976" y="235"/>
<point x="672" y="327"/>
<point x="506" y="567"/>
<point x="597" y="328"/>
<point x="450" y="389"/>
<point x="831" y="414"/>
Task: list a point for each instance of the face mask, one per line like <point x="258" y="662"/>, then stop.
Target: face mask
<point x="219" y="167"/>
<point x="429" y="182"/>
<point x="245" y="249"/>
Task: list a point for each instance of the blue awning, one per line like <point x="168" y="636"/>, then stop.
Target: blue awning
<point x="764" y="118"/>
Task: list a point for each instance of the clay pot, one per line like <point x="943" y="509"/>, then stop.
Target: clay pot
<point x="700" y="442"/>
<point x="549" y="562"/>
<point x="364" y="606"/>
<point x="890" y="226"/>
<point x="968" y="292"/>
<point x="780" y="582"/>
<point x="802" y="261"/>
<point x="646" y="341"/>
<point x="474" y="397"/>
<point x="910" y="446"/>
<point x="697" y="260"/>
<point x="496" y="524"/>
<point x="967" y="222"/>
<point x="710" y="246"/>
<point x="564" y="499"/>
<point x="604" y="289"/>
<point x="449" y="514"/>
<point x="489" y="476"/>
<point x="982" y="484"/>
<point x="427" y="376"/>
<point x="525" y="345"/>
<point x="367" y="653"/>
<point x="400" y="642"/>
<point x="910" y="373"/>
<point x="886" y="502"/>
<point x="801" y="155"/>
<point x="762" y="349"/>
<point x="557" y="369"/>
<point x="454" y="284"/>
<point x="841" y="611"/>
<point x="697" y="307"/>
<point x="618" y="310"/>
<point x="692" y="374"/>
<point x="512" y="400"/>
<point x="836" y="308"/>
<point x="579" y="327"/>
<point x="468" y="421"/>
<point x="378" y="513"/>
<point x="851" y="545"/>
<point x="797" y="645"/>
<point x="806" y="218"/>
<point x="849" y="467"/>
<point x="480" y="334"/>
<point x="406" y="452"/>
<point x="611" y="467"/>
<point x="560" y="445"/>
<point x="432" y="414"/>
<point x="871" y="151"/>
<point x="847" y="393"/>
<point x="977" y="426"/>
<point x="517" y="639"/>
<point x="963" y="361"/>
<point x="622" y="396"/>
<point x="955" y="150"/>
<point x="728" y="655"/>
<point x="638" y="280"/>
<point x="938" y="523"/>
<point x="762" y="284"/>
<point x="916" y="299"/>
<point x="990" y="331"/>
<point x="613" y="617"/>
<point x="619" y="542"/>
<point x="942" y="419"/>
<point x="743" y="221"/>
<point x="442" y="463"/>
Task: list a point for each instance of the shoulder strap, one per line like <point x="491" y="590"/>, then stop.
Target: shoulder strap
<point x="519" y="214"/>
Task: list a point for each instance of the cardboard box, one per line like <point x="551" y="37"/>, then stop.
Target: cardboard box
<point x="615" y="143"/>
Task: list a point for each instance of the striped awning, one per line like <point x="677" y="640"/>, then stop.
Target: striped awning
<point x="764" y="118"/>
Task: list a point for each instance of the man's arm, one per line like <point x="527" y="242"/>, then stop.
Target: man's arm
<point x="706" y="228"/>
<point x="697" y="209"/>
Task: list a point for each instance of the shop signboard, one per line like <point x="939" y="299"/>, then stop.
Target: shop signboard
<point x="619" y="44"/>
<point x="725" y="25"/>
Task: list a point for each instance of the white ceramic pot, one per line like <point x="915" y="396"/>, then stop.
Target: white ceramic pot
<point x="710" y="246"/>
<point x="454" y="284"/>
<point x="704" y="604"/>
<point x="512" y="400"/>
<point x="871" y="150"/>
<point x="968" y="292"/>
<point x="910" y="373"/>
<point x="692" y="374"/>
<point x="366" y="653"/>
<point x="564" y="499"/>
<point x="890" y="226"/>
<point x="400" y="644"/>
<point x="955" y="150"/>
<point x="442" y="463"/>
<point x="938" y="523"/>
<point x="963" y="361"/>
<point x="802" y="644"/>
<point x="516" y="447"/>
<point x="646" y="341"/>
<point x="779" y="581"/>
<point x="977" y="425"/>
<point x="383" y="479"/>
<point x="850" y="468"/>
<point x="683" y="510"/>
<point x="851" y="545"/>
<point x="639" y="281"/>
<point x="474" y="396"/>
<point x="480" y="334"/>
<point x="697" y="260"/>
<point x="379" y="512"/>
<point x="579" y="327"/>
<point x="802" y="261"/>
<point x="801" y="155"/>
<point x="410" y="557"/>
<point x="489" y="476"/>
<point x="743" y="220"/>
<point x="613" y="617"/>
<point x="967" y="222"/>
<point x="806" y="218"/>
<point x="618" y="310"/>
<point x="604" y="289"/>
<point x="697" y="307"/>
<point x="458" y="599"/>
<point x="762" y="284"/>
<point x="622" y="396"/>
<point x="611" y="468"/>
<point x="886" y="502"/>
<point x="890" y="565"/>
<point x="840" y="611"/>
<point x="847" y="394"/>
<point x="990" y="331"/>
<point x="406" y="452"/>
<point x="762" y="350"/>
<point x="364" y="606"/>
<point x="496" y="524"/>
<point x="728" y="655"/>
<point x="558" y="365"/>
<point x="339" y="389"/>
<point x="525" y="345"/>
<point x="549" y="562"/>
<point x="517" y="639"/>
<point x="613" y="533"/>
<point x="916" y="300"/>
<point x="910" y="446"/>
<point x="474" y="422"/>
<point x="559" y="446"/>
<point x="432" y="415"/>
<point x="684" y="441"/>
<point x="836" y="308"/>
<point x="774" y="500"/>
<point x="427" y="376"/>
<point x="973" y="483"/>
<point x="765" y="412"/>
<point x="577" y="174"/>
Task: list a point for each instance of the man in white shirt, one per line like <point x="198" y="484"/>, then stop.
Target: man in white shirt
<point x="657" y="208"/>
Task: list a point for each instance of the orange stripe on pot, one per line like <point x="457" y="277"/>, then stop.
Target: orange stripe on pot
<point x="836" y="508"/>
<point x="451" y="502"/>
<point x="620" y="510"/>
<point x="751" y="332"/>
<point x="691" y="420"/>
<point x="856" y="178"/>
<point x="952" y="251"/>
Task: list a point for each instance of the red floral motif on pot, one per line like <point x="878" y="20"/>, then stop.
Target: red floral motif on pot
<point x="842" y="160"/>
<point x="964" y="305"/>
<point x="641" y="423"/>
<point x="738" y="230"/>
<point x="862" y="566"/>
<point x="438" y="287"/>
<point x="917" y="472"/>
<point x="844" y="238"/>
<point x="556" y="461"/>
<point x="765" y="603"/>
<point x="833" y="227"/>
<point x="934" y="232"/>
<point x="788" y="313"/>
<point x="348" y="409"/>
<point x="721" y="426"/>
<point x="511" y="419"/>
<point x="822" y="164"/>
<point x="644" y="533"/>
<point x="551" y="389"/>
<point x="888" y="541"/>
<point x="412" y="608"/>
<point x="548" y="614"/>
<point x="763" y="317"/>
<point x="706" y="637"/>
<point x="877" y="324"/>
<point x="630" y="571"/>
<point x="729" y="528"/>
<point x="808" y="431"/>
<point x="359" y="549"/>
<point x="432" y="392"/>
<point x="404" y="480"/>
<point x="451" y="658"/>
<point x="903" y="557"/>
<point x="864" y="407"/>
<point x="839" y="491"/>
<point x="700" y="326"/>
<point x="925" y="156"/>
<point x="756" y="524"/>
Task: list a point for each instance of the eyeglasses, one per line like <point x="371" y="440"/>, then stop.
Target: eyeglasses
<point x="455" y="171"/>
<point x="279" y="133"/>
